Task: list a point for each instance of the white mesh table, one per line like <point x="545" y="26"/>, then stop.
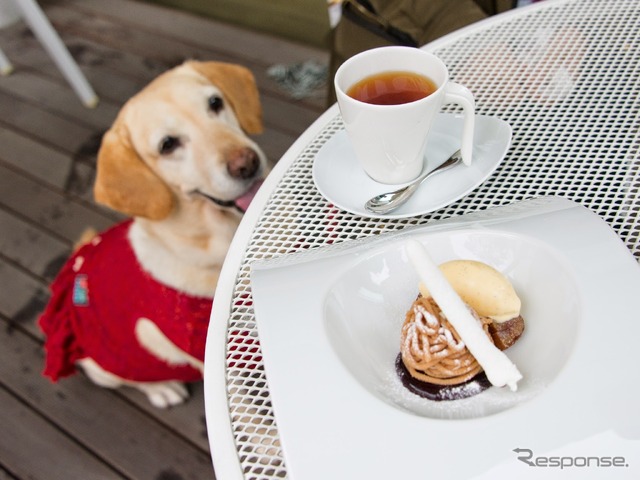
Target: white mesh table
<point x="564" y="74"/>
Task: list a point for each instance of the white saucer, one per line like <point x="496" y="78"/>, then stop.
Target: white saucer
<point x="340" y="179"/>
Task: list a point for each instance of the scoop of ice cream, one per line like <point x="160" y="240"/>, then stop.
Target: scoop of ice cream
<point x="482" y="287"/>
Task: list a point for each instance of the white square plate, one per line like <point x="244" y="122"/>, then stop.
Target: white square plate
<point x="329" y="326"/>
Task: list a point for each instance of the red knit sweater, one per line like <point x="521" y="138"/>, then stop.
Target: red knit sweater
<point x="96" y="300"/>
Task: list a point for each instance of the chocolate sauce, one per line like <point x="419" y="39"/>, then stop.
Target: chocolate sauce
<point x="471" y="387"/>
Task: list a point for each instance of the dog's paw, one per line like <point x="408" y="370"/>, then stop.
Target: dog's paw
<point x="164" y="394"/>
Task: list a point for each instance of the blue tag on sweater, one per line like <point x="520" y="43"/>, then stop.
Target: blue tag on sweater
<point x="81" y="291"/>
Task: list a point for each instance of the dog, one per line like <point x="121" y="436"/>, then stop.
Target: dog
<point x="131" y="307"/>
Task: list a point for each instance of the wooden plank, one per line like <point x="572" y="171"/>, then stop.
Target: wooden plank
<point x="99" y="60"/>
<point x="49" y="208"/>
<point x="31" y="447"/>
<point x="45" y="126"/>
<point x="46" y="163"/>
<point x="22" y="298"/>
<point x="161" y="46"/>
<point x="72" y="172"/>
<point x="274" y="143"/>
<point x="31" y="248"/>
<point x="110" y="86"/>
<point x="35" y="88"/>
<point x="286" y="117"/>
<point x="5" y="475"/>
<point x="25" y="52"/>
<point x="21" y="42"/>
<point x="188" y="419"/>
<point x="116" y="431"/>
<point x="81" y="180"/>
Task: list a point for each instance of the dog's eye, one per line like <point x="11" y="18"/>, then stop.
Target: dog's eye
<point x="168" y="144"/>
<point x="216" y="103"/>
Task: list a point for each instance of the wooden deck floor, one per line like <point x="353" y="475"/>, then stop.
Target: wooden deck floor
<point x="48" y="142"/>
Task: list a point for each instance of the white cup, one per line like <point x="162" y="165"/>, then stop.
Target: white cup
<point x="390" y="140"/>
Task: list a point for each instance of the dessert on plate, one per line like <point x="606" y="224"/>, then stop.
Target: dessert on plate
<point x="435" y="360"/>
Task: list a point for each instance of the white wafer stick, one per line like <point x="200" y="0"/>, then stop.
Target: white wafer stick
<point x="499" y="369"/>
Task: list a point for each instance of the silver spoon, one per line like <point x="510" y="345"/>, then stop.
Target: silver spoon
<point x="387" y="202"/>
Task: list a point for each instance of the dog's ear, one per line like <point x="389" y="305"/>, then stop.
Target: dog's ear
<point x="125" y="183"/>
<point x="239" y="87"/>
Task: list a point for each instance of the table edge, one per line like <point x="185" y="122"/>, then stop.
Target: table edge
<point x="224" y="454"/>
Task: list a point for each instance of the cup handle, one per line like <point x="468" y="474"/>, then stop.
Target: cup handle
<point x="456" y="93"/>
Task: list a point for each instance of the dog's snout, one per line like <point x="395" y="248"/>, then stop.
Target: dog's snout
<point x="243" y="163"/>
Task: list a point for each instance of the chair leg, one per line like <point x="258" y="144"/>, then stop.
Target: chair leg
<point x="5" y="65"/>
<point x="50" y="40"/>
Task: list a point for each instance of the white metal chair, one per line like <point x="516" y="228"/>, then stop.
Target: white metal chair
<point x="48" y="37"/>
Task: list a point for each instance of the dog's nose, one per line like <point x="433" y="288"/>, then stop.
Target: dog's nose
<point x="243" y="163"/>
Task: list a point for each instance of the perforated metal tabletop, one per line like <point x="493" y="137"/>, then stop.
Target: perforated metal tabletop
<point x="564" y="74"/>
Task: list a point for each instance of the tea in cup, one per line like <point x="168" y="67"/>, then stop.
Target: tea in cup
<point x="389" y="98"/>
